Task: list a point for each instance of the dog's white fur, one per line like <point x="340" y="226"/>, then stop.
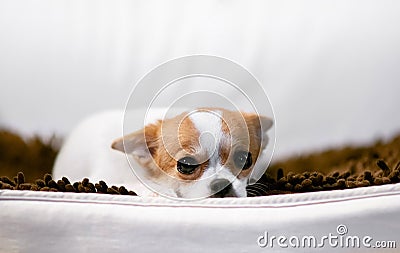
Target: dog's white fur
<point x="87" y="152"/>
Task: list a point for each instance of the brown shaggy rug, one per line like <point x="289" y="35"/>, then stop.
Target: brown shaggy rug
<point x="25" y="164"/>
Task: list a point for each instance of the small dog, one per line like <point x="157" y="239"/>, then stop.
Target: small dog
<point x="206" y="152"/>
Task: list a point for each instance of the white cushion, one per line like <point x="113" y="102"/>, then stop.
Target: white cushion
<point x="71" y="222"/>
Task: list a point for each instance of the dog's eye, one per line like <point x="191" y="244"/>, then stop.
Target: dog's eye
<point x="243" y="159"/>
<point x="187" y="165"/>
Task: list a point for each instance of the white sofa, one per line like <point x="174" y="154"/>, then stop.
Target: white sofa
<point x="71" y="222"/>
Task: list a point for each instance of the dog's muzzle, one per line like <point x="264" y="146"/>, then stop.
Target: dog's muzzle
<point x="221" y="188"/>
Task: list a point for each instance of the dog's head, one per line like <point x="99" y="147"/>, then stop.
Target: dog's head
<point x="207" y="152"/>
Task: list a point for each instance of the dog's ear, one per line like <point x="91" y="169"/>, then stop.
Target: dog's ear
<point x="141" y="144"/>
<point x="266" y="124"/>
<point x="262" y="124"/>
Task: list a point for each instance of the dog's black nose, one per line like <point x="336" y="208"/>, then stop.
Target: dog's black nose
<point x="220" y="187"/>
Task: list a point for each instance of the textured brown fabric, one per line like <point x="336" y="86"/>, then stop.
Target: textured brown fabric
<point x="339" y="168"/>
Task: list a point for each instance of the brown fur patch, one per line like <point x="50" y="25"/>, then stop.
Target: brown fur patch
<point x="179" y="138"/>
<point x="245" y="132"/>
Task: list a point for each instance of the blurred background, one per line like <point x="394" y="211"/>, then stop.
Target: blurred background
<point x="330" y="68"/>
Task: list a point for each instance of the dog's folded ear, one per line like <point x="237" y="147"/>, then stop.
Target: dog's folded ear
<point x="266" y="123"/>
<point x="262" y="124"/>
<point x="141" y="144"/>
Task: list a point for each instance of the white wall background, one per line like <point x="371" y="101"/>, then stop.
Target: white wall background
<point x="331" y="68"/>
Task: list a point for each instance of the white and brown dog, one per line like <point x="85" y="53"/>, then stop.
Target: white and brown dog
<point x="205" y="152"/>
